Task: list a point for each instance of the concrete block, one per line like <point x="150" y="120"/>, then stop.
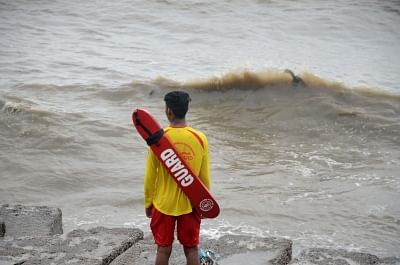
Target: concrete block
<point x="31" y="220"/>
<point x="230" y="249"/>
<point x="2" y="228"/>
<point x="97" y="246"/>
<point x="320" y="256"/>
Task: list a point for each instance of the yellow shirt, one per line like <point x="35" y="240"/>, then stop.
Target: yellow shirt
<point x="160" y="189"/>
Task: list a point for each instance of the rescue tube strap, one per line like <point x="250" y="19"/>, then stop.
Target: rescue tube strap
<point x="153" y="138"/>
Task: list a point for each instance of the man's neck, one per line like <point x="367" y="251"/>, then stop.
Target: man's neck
<point x="178" y="123"/>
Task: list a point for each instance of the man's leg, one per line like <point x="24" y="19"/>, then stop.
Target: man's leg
<point x="192" y="255"/>
<point x="189" y="236"/>
<point x="162" y="226"/>
<point x="163" y="254"/>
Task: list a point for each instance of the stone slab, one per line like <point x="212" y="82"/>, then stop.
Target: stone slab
<point x="390" y="261"/>
<point x="31" y="220"/>
<point x="320" y="256"/>
<point x="96" y="246"/>
<point x="274" y="251"/>
<point x="2" y="228"/>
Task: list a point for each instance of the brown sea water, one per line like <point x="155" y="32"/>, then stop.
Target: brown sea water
<point x="316" y="162"/>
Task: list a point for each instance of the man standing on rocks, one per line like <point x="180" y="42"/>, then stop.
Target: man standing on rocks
<point x="165" y="203"/>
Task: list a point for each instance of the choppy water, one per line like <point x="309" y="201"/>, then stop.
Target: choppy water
<point x="317" y="163"/>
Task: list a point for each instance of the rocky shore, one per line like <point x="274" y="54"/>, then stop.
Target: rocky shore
<point x="33" y="235"/>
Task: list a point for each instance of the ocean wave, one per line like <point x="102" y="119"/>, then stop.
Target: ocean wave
<point x="244" y="79"/>
<point x="16" y="105"/>
<point x="124" y="92"/>
<point x="34" y="125"/>
<point x="271" y="79"/>
<point x="285" y="83"/>
<point x="43" y="87"/>
<point x="288" y="96"/>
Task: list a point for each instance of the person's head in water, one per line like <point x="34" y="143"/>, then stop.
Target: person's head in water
<point x="177" y="105"/>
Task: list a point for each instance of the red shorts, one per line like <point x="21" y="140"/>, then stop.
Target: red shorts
<point x="163" y="228"/>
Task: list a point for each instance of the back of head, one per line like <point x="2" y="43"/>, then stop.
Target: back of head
<point x="178" y="102"/>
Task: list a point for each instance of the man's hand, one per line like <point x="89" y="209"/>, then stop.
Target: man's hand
<point x="149" y="211"/>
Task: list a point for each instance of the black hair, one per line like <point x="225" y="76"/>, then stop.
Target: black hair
<point x="178" y="102"/>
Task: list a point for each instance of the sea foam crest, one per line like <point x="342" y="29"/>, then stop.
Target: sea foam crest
<point x="11" y="107"/>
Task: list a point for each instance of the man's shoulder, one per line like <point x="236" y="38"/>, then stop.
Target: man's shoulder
<point x="198" y="132"/>
<point x="201" y="137"/>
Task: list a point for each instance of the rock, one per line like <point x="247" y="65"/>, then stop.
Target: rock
<point x="33" y="236"/>
<point x="2" y="228"/>
<point x="275" y="250"/>
<point x="390" y="261"/>
<point x="97" y="246"/>
<point x="229" y="248"/>
<point x="8" y="263"/>
<point x="319" y="256"/>
<point x="31" y="220"/>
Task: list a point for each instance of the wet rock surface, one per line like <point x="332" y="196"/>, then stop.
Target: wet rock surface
<point x="99" y="245"/>
<point x="272" y="250"/>
<point x="2" y="228"/>
<point x="33" y="236"/>
<point x="320" y="256"/>
<point x="22" y="220"/>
